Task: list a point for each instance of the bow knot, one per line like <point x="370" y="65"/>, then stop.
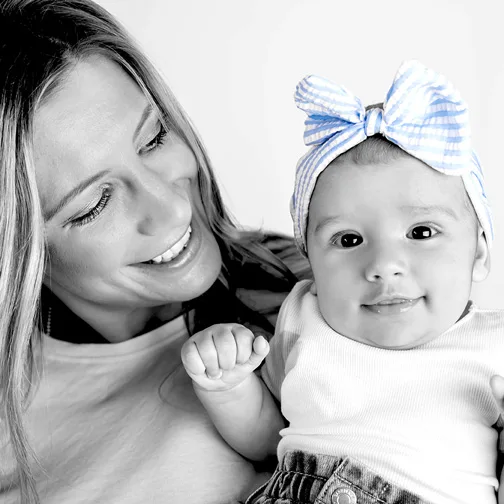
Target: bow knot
<point x="423" y="114"/>
<point x="373" y="121"/>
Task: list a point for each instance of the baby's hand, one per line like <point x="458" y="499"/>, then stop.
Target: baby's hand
<point x="222" y="356"/>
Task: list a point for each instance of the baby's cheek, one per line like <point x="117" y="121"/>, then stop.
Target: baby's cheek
<point x="337" y="311"/>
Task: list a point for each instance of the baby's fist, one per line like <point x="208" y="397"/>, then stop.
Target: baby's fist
<point x="223" y="355"/>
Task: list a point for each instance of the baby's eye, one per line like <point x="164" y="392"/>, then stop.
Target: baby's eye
<point x="422" y="233"/>
<point x="347" y="239"/>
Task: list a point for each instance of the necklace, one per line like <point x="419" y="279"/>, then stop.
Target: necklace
<point x="48" y="322"/>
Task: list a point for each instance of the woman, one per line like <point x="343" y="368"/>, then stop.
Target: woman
<point x="115" y="246"/>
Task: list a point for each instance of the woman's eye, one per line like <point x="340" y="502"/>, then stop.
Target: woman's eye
<point x="156" y="142"/>
<point x="347" y="239"/>
<point x="95" y="211"/>
<point x="422" y="233"/>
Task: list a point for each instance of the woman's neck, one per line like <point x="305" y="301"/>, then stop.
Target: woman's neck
<point x="88" y="323"/>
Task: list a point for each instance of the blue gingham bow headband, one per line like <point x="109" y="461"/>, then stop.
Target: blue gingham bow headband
<point x="423" y="114"/>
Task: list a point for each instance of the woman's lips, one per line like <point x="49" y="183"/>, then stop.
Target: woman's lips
<point x="185" y="256"/>
<point x="173" y="251"/>
<point x="392" y="306"/>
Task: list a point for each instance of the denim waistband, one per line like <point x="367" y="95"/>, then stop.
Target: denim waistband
<point x="305" y="478"/>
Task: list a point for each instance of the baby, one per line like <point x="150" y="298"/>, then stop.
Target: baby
<point x="382" y="364"/>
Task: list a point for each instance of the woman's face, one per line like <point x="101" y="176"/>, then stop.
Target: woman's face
<point x="118" y="192"/>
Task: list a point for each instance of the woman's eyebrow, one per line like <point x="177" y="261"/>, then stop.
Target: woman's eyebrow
<point x="49" y="214"/>
<point x="145" y="114"/>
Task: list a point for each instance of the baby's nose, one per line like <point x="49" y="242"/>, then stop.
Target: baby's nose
<point x="385" y="265"/>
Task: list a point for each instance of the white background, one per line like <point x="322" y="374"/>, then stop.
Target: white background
<point x="234" y="64"/>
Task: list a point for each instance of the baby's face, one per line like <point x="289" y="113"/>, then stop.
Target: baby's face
<point x="394" y="249"/>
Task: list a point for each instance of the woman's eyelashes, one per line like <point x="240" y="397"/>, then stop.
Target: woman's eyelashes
<point x="156" y="142"/>
<point x="153" y="144"/>
<point x="96" y="210"/>
<point x="350" y="239"/>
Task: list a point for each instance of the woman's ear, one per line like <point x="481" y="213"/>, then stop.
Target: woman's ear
<point x="481" y="265"/>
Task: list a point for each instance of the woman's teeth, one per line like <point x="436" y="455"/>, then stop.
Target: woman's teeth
<point x="173" y="251"/>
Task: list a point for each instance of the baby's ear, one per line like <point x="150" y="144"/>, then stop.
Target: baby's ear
<point x="313" y="289"/>
<point x="481" y="265"/>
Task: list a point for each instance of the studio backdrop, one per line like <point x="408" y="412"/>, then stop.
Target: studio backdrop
<point x="234" y="64"/>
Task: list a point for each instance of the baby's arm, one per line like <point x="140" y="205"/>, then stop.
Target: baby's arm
<point x="221" y="361"/>
<point x="497" y="385"/>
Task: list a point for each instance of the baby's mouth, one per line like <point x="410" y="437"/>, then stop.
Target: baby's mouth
<point x="392" y="305"/>
<point x="173" y="251"/>
<point x="394" y="301"/>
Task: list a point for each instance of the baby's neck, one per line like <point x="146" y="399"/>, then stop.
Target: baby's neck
<point x="466" y="310"/>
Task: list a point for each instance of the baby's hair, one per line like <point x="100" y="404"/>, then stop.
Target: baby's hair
<point x="374" y="150"/>
<point x="378" y="150"/>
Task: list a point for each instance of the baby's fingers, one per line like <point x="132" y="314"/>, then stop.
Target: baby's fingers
<point x="191" y="359"/>
<point x="209" y="357"/>
<point x="260" y="349"/>
<point x="224" y="341"/>
<point x="244" y="339"/>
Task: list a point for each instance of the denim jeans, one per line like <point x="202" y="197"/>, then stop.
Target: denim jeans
<point x="306" y="478"/>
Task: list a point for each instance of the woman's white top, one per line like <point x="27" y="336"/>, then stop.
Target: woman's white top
<point x="120" y="424"/>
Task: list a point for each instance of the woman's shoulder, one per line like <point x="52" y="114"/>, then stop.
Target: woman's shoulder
<point x="270" y="262"/>
<point x="265" y="284"/>
<point x="285" y="249"/>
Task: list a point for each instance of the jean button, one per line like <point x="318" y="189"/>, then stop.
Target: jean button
<point x="343" y="495"/>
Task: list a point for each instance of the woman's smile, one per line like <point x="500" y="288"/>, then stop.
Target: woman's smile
<point x="173" y="251"/>
<point x="180" y="255"/>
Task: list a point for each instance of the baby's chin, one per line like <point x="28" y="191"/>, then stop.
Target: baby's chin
<point x="400" y="343"/>
<point x="391" y="340"/>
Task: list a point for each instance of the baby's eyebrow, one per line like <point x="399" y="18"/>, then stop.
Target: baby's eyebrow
<point x="430" y="209"/>
<point x="332" y="219"/>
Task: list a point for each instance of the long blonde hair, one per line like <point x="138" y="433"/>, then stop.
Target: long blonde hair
<point x="40" y="41"/>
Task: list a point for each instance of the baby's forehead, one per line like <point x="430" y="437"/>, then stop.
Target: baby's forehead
<point x="406" y="182"/>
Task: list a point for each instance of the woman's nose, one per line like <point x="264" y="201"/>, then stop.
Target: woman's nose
<point x="163" y="206"/>
<point x="387" y="262"/>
